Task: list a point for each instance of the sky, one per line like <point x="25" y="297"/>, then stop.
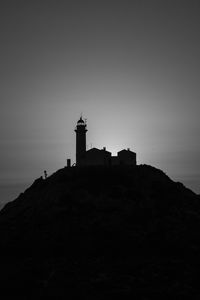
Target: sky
<point x="132" y="68"/>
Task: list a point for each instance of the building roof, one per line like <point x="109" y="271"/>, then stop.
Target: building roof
<point x="126" y="151"/>
<point x="93" y="150"/>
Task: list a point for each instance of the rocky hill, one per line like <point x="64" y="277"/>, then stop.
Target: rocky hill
<point x="102" y="233"/>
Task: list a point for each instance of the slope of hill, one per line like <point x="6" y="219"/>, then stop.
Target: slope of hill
<point x="100" y="233"/>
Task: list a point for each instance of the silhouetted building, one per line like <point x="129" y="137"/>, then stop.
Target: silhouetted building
<point x="97" y="157"/>
<point x="126" y="157"/>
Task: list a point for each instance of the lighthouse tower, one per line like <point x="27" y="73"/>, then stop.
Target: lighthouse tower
<point x="80" y="140"/>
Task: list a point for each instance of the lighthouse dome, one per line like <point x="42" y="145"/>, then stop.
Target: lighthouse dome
<point x="80" y="121"/>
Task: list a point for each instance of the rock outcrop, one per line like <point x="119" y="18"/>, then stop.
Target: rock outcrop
<point x="101" y="233"/>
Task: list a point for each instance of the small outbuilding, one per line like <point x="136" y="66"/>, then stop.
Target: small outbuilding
<point x="126" y="157"/>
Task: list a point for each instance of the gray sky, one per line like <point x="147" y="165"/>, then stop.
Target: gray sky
<point x="131" y="67"/>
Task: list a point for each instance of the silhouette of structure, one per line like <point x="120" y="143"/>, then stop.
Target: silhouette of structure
<point x="80" y="141"/>
<point x="98" y="157"/>
<point x="68" y="162"/>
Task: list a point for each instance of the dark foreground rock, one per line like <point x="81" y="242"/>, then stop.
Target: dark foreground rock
<point x="102" y="233"/>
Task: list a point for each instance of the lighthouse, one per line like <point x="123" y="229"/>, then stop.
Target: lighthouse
<point x="80" y="140"/>
<point x="98" y="157"/>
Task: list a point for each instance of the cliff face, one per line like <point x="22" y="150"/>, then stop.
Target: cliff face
<point x="102" y="232"/>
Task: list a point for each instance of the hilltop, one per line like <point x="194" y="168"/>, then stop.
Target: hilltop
<point x="99" y="233"/>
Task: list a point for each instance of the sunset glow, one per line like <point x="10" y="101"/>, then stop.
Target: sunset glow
<point x="131" y="68"/>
